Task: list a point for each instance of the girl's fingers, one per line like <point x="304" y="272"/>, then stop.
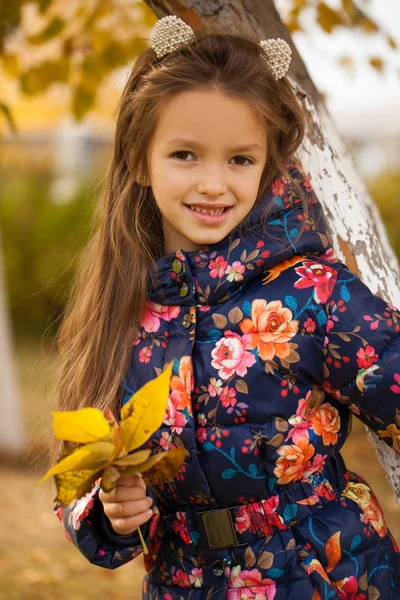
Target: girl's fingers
<point x="125" y="526"/>
<point x="122" y="494"/>
<point x="114" y="510"/>
<point x="131" y="481"/>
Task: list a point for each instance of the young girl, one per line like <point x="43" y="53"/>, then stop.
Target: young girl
<point x="213" y="251"/>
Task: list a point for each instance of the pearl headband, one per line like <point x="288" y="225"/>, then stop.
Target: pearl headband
<point x="170" y="32"/>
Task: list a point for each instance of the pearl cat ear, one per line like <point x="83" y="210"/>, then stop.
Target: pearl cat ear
<point x="278" y="55"/>
<point x="170" y="32"/>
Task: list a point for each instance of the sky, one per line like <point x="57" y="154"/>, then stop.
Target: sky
<point x="360" y="98"/>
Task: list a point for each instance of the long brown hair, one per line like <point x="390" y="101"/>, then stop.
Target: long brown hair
<point x="108" y="296"/>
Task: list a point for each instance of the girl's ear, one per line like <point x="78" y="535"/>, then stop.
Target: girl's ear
<point x="142" y="180"/>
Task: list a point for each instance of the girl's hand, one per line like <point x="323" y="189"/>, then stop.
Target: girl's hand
<point x="127" y="506"/>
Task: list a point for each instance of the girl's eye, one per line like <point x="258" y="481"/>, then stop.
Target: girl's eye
<point x="187" y="152"/>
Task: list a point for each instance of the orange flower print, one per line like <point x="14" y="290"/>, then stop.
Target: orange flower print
<point x="325" y="421"/>
<point x="183" y="384"/>
<point x="393" y="432"/>
<point x="271" y="327"/>
<point x="294" y="461"/>
<point x="362" y="495"/>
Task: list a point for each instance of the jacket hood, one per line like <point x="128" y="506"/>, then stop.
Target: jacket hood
<point x="215" y="272"/>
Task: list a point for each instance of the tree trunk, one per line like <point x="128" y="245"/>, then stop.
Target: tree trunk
<point x="11" y="431"/>
<point x="360" y="239"/>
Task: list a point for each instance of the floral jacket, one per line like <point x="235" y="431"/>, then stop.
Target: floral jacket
<point x="276" y="344"/>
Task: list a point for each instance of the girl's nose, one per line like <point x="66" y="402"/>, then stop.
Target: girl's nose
<point x="212" y="183"/>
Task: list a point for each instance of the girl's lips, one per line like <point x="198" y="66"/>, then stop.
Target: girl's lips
<point x="212" y="219"/>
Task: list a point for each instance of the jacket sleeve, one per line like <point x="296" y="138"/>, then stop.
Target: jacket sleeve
<point x="86" y="525"/>
<point x="361" y="355"/>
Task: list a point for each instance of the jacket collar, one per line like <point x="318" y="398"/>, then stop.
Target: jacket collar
<point x="214" y="273"/>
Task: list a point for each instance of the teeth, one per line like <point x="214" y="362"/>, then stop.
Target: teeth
<point x="218" y="211"/>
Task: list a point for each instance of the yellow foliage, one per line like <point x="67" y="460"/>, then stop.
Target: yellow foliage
<point x="103" y="446"/>
<point x="82" y="426"/>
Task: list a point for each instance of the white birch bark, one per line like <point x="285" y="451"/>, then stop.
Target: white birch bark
<point x="359" y="236"/>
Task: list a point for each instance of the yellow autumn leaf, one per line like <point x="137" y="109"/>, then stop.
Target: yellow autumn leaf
<point x="91" y="457"/>
<point x="165" y="469"/>
<point x="136" y="458"/>
<point x="83" y="426"/>
<point x="143" y="414"/>
<point x="74" y="484"/>
<point x="144" y="466"/>
<point x="109" y="478"/>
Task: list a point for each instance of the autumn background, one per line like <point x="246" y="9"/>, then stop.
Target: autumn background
<point x="62" y="69"/>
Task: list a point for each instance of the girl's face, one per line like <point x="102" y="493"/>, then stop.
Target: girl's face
<point x="218" y="162"/>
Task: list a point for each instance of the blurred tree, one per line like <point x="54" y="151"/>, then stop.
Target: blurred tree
<point x="385" y="189"/>
<point x="82" y="41"/>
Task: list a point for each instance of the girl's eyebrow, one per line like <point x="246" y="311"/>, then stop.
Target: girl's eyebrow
<point x="194" y="144"/>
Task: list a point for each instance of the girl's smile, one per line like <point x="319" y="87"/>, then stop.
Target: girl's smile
<point x="214" y="215"/>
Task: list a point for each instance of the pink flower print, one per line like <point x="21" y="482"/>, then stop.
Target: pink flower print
<point x="201" y="419"/>
<point x="196" y="577"/>
<point x="217" y="267"/>
<point x="201" y="434"/>
<point x="145" y="354"/>
<point x="329" y="390"/>
<point x="242" y="519"/>
<point x="349" y="589"/>
<point x="231" y="356"/>
<point x="366" y="357"/>
<point x="310" y="325"/>
<point x="251" y="583"/>
<point x="215" y="387"/>
<point x="321" y="277"/>
<point x="325" y="490"/>
<point x="330" y="325"/>
<point x="235" y="271"/>
<point x="278" y="188"/>
<point x="299" y="421"/>
<point x="59" y="512"/>
<point x="155" y="312"/>
<point x="174" y="417"/>
<point x="82" y="508"/>
<point x="396" y="388"/>
<point x="317" y="466"/>
<point x="180" y="527"/>
<point x="166" y="440"/>
<point x="228" y="397"/>
<point x="181" y="578"/>
<point x="270" y="505"/>
<point x="330" y="255"/>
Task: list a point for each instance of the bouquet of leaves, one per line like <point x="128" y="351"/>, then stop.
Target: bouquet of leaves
<point x="104" y="448"/>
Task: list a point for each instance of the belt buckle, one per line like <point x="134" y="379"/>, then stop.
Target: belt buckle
<point x="219" y="528"/>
